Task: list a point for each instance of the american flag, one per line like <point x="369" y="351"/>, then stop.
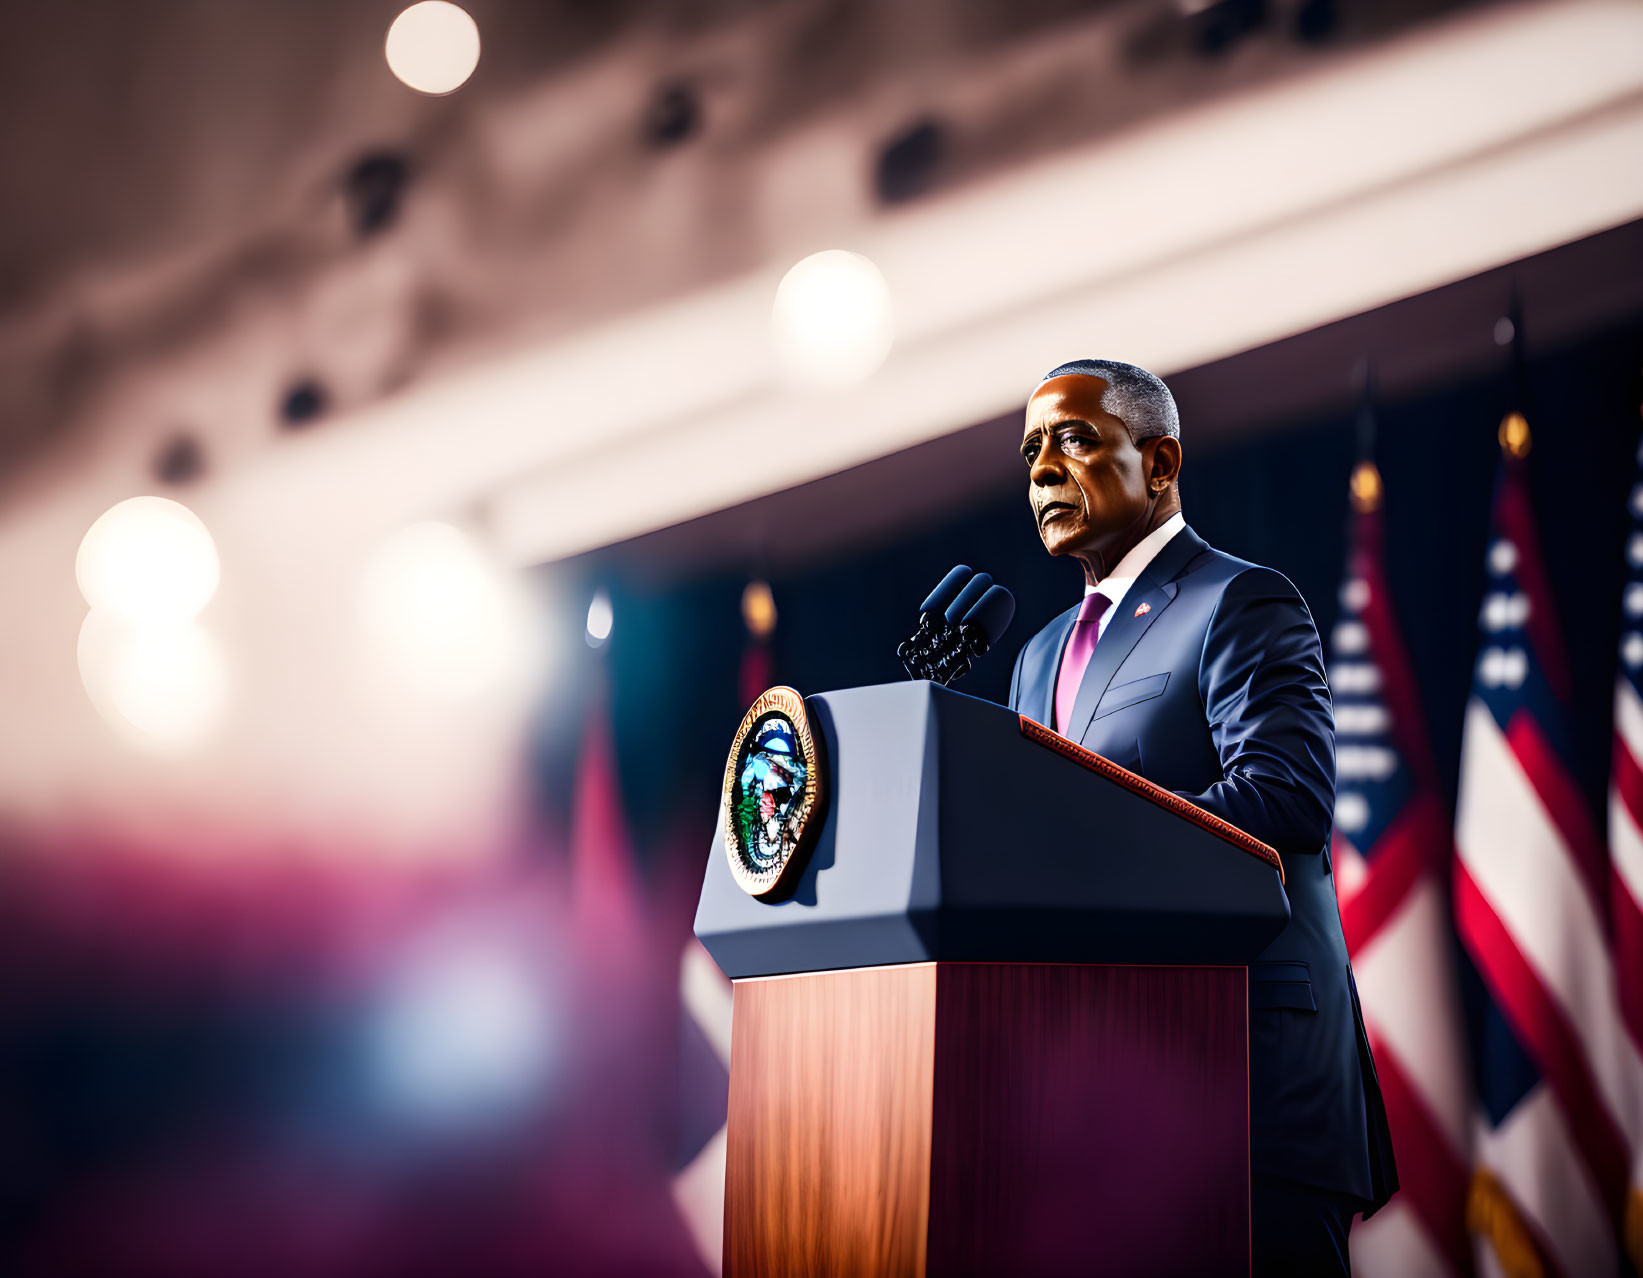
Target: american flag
<point x="1391" y="851"/>
<point x="1626" y="838"/>
<point x="1556" y="1075"/>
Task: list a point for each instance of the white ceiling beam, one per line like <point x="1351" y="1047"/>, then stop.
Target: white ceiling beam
<point x="1456" y="149"/>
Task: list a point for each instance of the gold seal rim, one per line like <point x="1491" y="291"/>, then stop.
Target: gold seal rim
<point x="789" y="702"/>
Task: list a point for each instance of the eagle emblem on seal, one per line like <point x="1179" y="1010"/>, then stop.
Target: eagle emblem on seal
<point x="772" y="794"/>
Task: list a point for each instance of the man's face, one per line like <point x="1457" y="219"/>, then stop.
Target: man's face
<point x="1087" y="480"/>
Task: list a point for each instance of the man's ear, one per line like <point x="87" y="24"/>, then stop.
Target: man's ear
<point x="1163" y="461"/>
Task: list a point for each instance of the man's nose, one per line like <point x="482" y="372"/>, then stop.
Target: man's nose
<point x="1046" y="469"/>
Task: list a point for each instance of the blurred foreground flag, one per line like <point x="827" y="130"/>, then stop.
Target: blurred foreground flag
<point x="1626" y="841"/>
<point x="1556" y="1075"/>
<point x="608" y="900"/>
<point x="706" y="998"/>
<point x="1391" y="853"/>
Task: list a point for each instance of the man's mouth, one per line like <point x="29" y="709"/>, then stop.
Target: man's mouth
<point x="1054" y="510"/>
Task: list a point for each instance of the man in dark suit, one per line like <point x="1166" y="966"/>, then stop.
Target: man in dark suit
<point x="1204" y="674"/>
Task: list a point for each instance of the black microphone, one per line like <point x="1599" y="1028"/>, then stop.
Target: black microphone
<point x="977" y="586"/>
<point x="985" y="624"/>
<point x="959" y="620"/>
<point x="918" y="653"/>
<point x="945" y="592"/>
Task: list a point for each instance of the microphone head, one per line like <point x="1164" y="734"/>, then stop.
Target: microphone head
<point x="992" y="614"/>
<point x="946" y="590"/>
<point x="968" y="597"/>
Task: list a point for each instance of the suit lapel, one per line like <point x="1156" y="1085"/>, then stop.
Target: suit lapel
<point x="1155" y="588"/>
<point x="1123" y="632"/>
<point x="1037" y="695"/>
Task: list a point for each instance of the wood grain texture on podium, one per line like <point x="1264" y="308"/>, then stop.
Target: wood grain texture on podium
<point x="827" y="1168"/>
<point x="1090" y="1120"/>
<point x="989" y="1118"/>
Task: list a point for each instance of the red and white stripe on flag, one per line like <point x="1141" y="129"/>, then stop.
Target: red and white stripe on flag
<point x="1625" y="882"/>
<point x="1391" y="852"/>
<point x="1530" y="888"/>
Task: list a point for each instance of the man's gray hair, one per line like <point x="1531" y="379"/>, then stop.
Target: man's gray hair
<point x="1133" y="395"/>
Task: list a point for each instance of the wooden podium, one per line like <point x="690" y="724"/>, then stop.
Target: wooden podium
<point x="1000" y="1027"/>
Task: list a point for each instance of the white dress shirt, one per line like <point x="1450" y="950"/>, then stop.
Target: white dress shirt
<point x="1116" y="584"/>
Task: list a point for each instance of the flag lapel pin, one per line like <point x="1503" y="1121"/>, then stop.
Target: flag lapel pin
<point x="1141" y="610"/>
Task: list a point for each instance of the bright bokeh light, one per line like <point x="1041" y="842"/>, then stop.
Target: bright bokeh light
<point x="759" y="609"/>
<point x="148" y="559"/>
<point x="601" y="617"/>
<point x="164" y="685"/>
<point x="442" y="616"/>
<point x="433" y="47"/>
<point x="832" y="324"/>
<point x="464" y="1034"/>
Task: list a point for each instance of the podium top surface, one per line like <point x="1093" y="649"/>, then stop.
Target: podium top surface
<point x="954" y="830"/>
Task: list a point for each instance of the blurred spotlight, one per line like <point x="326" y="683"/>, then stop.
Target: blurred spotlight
<point x="759" y="609"/>
<point x="180" y="460"/>
<point x="1219" y="24"/>
<point x="672" y="117"/>
<point x="372" y="191"/>
<point x="164" y="684"/>
<point x="464" y="1034"/>
<point x="907" y="165"/>
<point x="304" y="402"/>
<point x="601" y="618"/>
<point x="832" y="323"/>
<point x="433" y="47"/>
<point x="1505" y="331"/>
<point x="441" y="615"/>
<point x="1316" y="20"/>
<point x="148" y="559"/>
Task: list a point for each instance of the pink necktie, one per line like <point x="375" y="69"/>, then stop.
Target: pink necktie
<point x="1075" y="657"/>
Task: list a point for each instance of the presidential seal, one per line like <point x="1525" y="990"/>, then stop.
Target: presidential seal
<point x="772" y="793"/>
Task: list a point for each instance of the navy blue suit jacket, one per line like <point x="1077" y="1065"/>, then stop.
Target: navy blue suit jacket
<point x="1216" y="691"/>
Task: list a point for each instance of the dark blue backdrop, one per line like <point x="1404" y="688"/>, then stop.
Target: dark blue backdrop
<point x="671" y="664"/>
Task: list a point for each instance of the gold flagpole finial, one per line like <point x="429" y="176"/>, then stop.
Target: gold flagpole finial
<point x="1514" y="435"/>
<point x="1492" y="1216"/>
<point x="758" y="609"/>
<point x="1366" y="487"/>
